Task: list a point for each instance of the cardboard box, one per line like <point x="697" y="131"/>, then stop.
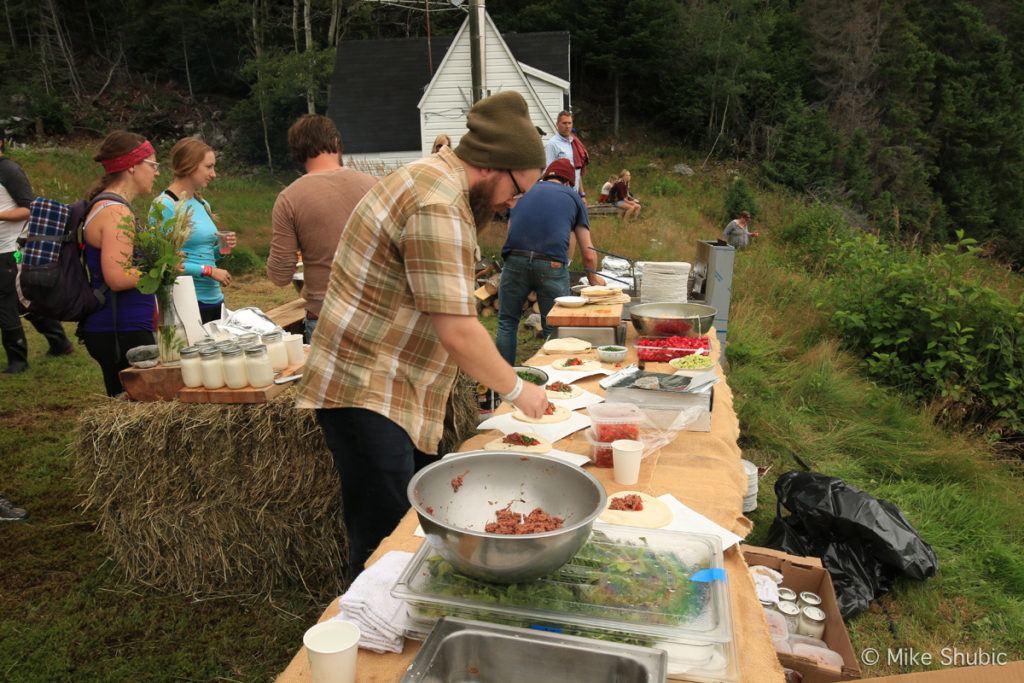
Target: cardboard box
<point x="1012" y="672"/>
<point x="807" y="574"/>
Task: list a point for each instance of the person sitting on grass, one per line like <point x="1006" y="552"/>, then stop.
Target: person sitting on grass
<point x="620" y="196"/>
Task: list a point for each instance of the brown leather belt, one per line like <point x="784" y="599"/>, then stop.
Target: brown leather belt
<point x="310" y="315"/>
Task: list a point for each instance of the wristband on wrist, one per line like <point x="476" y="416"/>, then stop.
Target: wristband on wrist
<point x="516" y="391"/>
<point x="207" y="271"/>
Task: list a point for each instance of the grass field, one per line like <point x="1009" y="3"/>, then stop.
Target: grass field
<point x="65" y="613"/>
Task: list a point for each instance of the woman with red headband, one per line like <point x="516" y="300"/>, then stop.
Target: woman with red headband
<point x="126" y="318"/>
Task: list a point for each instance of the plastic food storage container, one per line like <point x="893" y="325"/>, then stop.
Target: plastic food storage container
<point x="600" y="452"/>
<point x="625" y="585"/>
<point x="664" y="349"/>
<point x="614" y="421"/>
<point x="821" y="655"/>
<point x="777" y="626"/>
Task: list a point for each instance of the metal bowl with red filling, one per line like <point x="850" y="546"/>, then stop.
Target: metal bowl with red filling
<point x="455" y="521"/>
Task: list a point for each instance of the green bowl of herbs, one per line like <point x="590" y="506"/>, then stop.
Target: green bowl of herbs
<point x="531" y="375"/>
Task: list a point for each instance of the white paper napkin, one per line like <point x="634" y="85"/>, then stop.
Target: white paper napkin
<point x="507" y="424"/>
<point x="584" y="400"/>
<point x="688" y="519"/>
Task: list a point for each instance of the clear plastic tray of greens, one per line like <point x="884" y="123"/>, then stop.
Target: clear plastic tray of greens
<point x="636" y="582"/>
<point x="641" y="586"/>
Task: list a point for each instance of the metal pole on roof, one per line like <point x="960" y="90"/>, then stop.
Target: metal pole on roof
<point x="477" y="47"/>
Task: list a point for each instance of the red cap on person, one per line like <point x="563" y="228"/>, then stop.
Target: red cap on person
<point x="561" y="169"/>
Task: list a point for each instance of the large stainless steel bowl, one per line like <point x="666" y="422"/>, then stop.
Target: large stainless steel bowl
<point x="454" y="520"/>
<point x="672" y="319"/>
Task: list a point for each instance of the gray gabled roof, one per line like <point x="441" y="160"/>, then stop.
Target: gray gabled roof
<point x="378" y="83"/>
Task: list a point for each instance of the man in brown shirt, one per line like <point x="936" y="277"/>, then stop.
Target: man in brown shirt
<point x="399" y="317"/>
<point x="310" y="213"/>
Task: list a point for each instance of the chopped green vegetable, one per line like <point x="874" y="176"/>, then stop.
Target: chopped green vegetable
<point x="609" y="580"/>
<point x="692" y="362"/>
<point x="530" y="377"/>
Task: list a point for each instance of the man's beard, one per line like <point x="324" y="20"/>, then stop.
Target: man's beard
<point x="481" y="202"/>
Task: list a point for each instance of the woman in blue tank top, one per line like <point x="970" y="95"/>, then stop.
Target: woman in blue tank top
<point x="126" y="318"/>
<point x="194" y="166"/>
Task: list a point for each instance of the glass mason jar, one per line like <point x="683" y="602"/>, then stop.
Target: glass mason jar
<point x="191" y="371"/>
<point x="212" y="369"/>
<point x="234" y="368"/>
<point x="791" y="612"/>
<point x="276" y="350"/>
<point x="257" y="366"/>
<point x="812" y="623"/>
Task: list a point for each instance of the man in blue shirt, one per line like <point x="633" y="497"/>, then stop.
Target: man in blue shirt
<point x="536" y="253"/>
<point x="561" y="146"/>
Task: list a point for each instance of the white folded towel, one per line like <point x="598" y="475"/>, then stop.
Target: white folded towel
<point x="368" y="604"/>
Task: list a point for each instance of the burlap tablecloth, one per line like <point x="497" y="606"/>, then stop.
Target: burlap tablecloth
<point x="701" y="469"/>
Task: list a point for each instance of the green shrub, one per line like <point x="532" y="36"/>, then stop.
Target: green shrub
<point x="666" y="186"/>
<point x="923" y="321"/>
<point x="242" y="260"/>
<point x="738" y="197"/>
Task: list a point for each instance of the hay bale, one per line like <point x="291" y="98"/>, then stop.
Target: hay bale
<point x="462" y="414"/>
<point x="212" y="499"/>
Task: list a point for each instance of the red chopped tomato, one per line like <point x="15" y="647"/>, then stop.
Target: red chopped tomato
<point x="603" y="455"/>
<point x="550" y="409"/>
<point x="664" y="349"/>
<point x="606" y="433"/>
<point x="559" y="386"/>
<point x="570" y="362"/>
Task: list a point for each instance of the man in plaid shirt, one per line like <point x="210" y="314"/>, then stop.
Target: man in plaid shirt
<point x="399" y="316"/>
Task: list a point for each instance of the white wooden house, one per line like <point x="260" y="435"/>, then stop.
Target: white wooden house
<point x="389" y="107"/>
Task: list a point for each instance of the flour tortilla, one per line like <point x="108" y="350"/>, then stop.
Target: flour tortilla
<point x="566" y="345"/>
<point x="655" y="514"/>
<point x="588" y="365"/>
<point x="597" y="291"/>
<point x="575" y="393"/>
<point x="499" y="445"/>
<point x="560" y="415"/>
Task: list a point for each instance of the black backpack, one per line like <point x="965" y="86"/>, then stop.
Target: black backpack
<point x="53" y="280"/>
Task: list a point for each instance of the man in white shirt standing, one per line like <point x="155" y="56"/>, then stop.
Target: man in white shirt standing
<point x="560" y="147"/>
<point x="15" y="199"/>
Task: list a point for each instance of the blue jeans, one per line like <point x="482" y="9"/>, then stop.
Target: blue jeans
<point x="519" y="276"/>
<point x="307" y="334"/>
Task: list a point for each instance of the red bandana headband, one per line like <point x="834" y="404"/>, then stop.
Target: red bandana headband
<point x="126" y="161"/>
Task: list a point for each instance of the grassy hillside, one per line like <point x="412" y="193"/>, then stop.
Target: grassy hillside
<point x="65" y="613"/>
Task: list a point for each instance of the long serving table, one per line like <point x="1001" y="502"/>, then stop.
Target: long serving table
<point x="701" y="469"/>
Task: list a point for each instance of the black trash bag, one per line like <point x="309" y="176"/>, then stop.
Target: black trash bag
<point x="863" y="542"/>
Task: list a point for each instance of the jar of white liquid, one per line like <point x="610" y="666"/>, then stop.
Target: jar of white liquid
<point x="213" y="371"/>
<point x="276" y="351"/>
<point x="234" y="368"/>
<point x="191" y="372"/>
<point x="257" y="366"/>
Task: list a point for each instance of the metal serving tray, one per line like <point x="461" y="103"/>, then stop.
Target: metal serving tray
<point x="461" y="650"/>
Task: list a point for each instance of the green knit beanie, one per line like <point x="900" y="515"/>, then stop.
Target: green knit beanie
<point x="501" y="134"/>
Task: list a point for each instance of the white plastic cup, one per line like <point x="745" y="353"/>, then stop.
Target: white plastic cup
<point x="293" y="345"/>
<point x="626" y="456"/>
<point x="333" y="648"/>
